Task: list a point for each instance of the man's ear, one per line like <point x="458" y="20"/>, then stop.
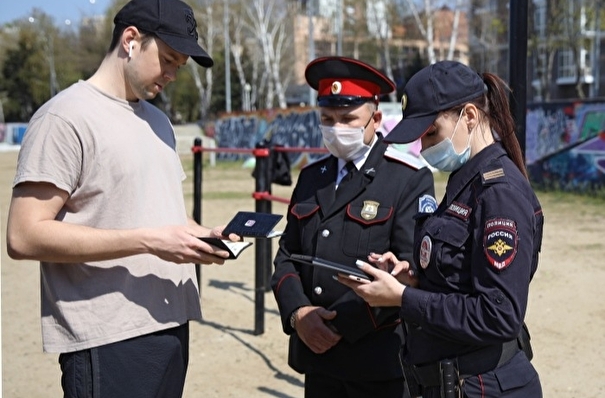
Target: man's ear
<point x="377" y="116"/>
<point x="129" y="35"/>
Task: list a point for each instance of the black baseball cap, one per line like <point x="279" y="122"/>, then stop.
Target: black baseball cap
<point x="342" y="81"/>
<point x="435" y="88"/>
<point x="170" y="20"/>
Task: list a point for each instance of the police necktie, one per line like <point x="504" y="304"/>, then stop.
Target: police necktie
<point x="350" y="171"/>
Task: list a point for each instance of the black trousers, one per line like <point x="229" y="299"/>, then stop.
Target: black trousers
<point x="153" y="365"/>
<point x="322" y="386"/>
<point x="515" y="379"/>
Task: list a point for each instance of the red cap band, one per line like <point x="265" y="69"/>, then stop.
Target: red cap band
<point x="348" y="87"/>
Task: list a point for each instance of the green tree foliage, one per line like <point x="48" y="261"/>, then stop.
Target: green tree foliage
<point x="28" y="51"/>
<point x="38" y="60"/>
<point x="25" y="78"/>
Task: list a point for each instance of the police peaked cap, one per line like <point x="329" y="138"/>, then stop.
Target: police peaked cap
<point x="341" y="82"/>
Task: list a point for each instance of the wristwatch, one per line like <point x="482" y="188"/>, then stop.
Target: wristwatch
<point x="293" y="318"/>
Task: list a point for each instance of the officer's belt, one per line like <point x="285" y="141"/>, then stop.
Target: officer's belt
<point x="471" y="364"/>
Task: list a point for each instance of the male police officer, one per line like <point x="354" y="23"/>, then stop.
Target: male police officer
<point x="345" y="348"/>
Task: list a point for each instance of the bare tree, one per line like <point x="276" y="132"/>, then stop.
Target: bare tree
<point x="237" y="50"/>
<point x="426" y="32"/>
<point x="378" y="16"/>
<point x="206" y="39"/>
<point x="454" y="36"/>
<point x="267" y="20"/>
<point x="425" y="23"/>
<point x="489" y="27"/>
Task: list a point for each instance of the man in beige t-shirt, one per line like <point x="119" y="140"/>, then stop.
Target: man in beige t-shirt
<point x="97" y="199"/>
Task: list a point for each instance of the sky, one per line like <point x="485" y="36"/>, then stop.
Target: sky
<point x="60" y="10"/>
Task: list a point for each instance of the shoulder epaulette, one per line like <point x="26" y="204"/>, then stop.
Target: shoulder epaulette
<point x="492" y="176"/>
<point x="404" y="157"/>
<point x="316" y="161"/>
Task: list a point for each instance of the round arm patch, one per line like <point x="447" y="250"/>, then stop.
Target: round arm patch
<point x="500" y="240"/>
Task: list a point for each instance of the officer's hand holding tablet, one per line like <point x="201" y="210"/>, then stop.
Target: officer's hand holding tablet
<point x="399" y="269"/>
<point x="389" y="279"/>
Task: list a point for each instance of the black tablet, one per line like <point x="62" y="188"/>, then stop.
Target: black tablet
<point x="354" y="273"/>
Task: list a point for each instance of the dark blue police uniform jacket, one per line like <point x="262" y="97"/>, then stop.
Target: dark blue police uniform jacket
<point x="373" y="212"/>
<point x="475" y="257"/>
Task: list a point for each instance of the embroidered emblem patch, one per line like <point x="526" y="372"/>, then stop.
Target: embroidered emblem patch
<point x="191" y="24"/>
<point x="369" y="210"/>
<point x="427" y="204"/>
<point x="425" y="251"/>
<point x="336" y="88"/>
<point x="459" y="210"/>
<point x="500" y="240"/>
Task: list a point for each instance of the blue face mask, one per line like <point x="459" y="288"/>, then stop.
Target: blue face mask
<point x="443" y="156"/>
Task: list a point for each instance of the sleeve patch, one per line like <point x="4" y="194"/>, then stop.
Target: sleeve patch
<point x="427" y="204"/>
<point x="459" y="210"/>
<point x="500" y="240"/>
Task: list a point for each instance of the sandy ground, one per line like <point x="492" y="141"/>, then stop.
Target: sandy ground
<point x="565" y="316"/>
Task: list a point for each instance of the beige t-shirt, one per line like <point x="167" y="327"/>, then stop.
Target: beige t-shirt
<point x="117" y="160"/>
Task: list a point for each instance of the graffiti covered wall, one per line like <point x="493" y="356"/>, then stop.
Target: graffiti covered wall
<point x="292" y="127"/>
<point x="565" y="141"/>
<point x="565" y="145"/>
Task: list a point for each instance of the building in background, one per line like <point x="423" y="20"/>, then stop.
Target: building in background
<point x="565" y="49"/>
<point x="372" y="31"/>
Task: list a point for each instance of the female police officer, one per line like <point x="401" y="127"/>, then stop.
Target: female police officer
<point x="465" y="302"/>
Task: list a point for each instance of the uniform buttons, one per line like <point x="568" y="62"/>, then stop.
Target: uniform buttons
<point x="325" y="233"/>
<point x="318" y="290"/>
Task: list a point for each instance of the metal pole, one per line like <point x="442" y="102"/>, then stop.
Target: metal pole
<point x="49" y="49"/>
<point x="518" y="66"/>
<point x="247" y="106"/>
<point x="197" y="195"/>
<point x="227" y="58"/>
<point x="339" y="22"/>
<point x="268" y="208"/>
<point x="54" y="86"/>
<point x="262" y="250"/>
<point x="310" y="12"/>
<point x="596" y="71"/>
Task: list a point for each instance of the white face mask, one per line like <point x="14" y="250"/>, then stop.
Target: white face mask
<point x="443" y="156"/>
<point x="345" y="143"/>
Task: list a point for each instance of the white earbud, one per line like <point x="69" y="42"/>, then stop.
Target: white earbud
<point x="130" y="45"/>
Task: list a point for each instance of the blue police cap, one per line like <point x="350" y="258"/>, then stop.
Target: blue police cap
<point x="435" y="88"/>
